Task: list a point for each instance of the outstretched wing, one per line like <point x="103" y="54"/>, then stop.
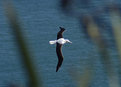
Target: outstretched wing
<point x="59" y="35"/>
<point x="60" y="56"/>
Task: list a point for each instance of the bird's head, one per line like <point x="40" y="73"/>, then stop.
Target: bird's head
<point x="62" y="29"/>
<point x="68" y="41"/>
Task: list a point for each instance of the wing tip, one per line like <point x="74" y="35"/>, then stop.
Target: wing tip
<point x="63" y="29"/>
<point x="57" y="69"/>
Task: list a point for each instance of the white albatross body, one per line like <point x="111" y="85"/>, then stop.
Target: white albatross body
<point x="60" y="41"/>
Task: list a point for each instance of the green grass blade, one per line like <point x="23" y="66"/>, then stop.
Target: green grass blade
<point x="116" y="24"/>
<point x="105" y="57"/>
<point x="26" y="58"/>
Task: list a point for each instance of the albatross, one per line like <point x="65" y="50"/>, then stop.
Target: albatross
<point x="59" y="42"/>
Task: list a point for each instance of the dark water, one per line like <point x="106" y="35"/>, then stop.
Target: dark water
<point x="41" y="20"/>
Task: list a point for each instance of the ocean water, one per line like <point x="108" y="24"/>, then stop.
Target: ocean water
<point x="41" y="20"/>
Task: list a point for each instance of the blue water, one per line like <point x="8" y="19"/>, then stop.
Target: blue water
<point x="41" y="20"/>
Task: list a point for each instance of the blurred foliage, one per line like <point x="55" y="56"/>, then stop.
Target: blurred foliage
<point x="93" y="30"/>
<point x="25" y="54"/>
<point x="90" y="28"/>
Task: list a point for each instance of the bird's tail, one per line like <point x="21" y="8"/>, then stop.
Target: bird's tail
<point x="52" y="42"/>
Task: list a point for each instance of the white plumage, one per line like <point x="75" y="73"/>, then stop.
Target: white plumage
<point x="52" y="42"/>
<point x="60" y="41"/>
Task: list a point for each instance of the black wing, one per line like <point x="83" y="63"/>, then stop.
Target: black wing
<point x="59" y="35"/>
<point x="60" y="56"/>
